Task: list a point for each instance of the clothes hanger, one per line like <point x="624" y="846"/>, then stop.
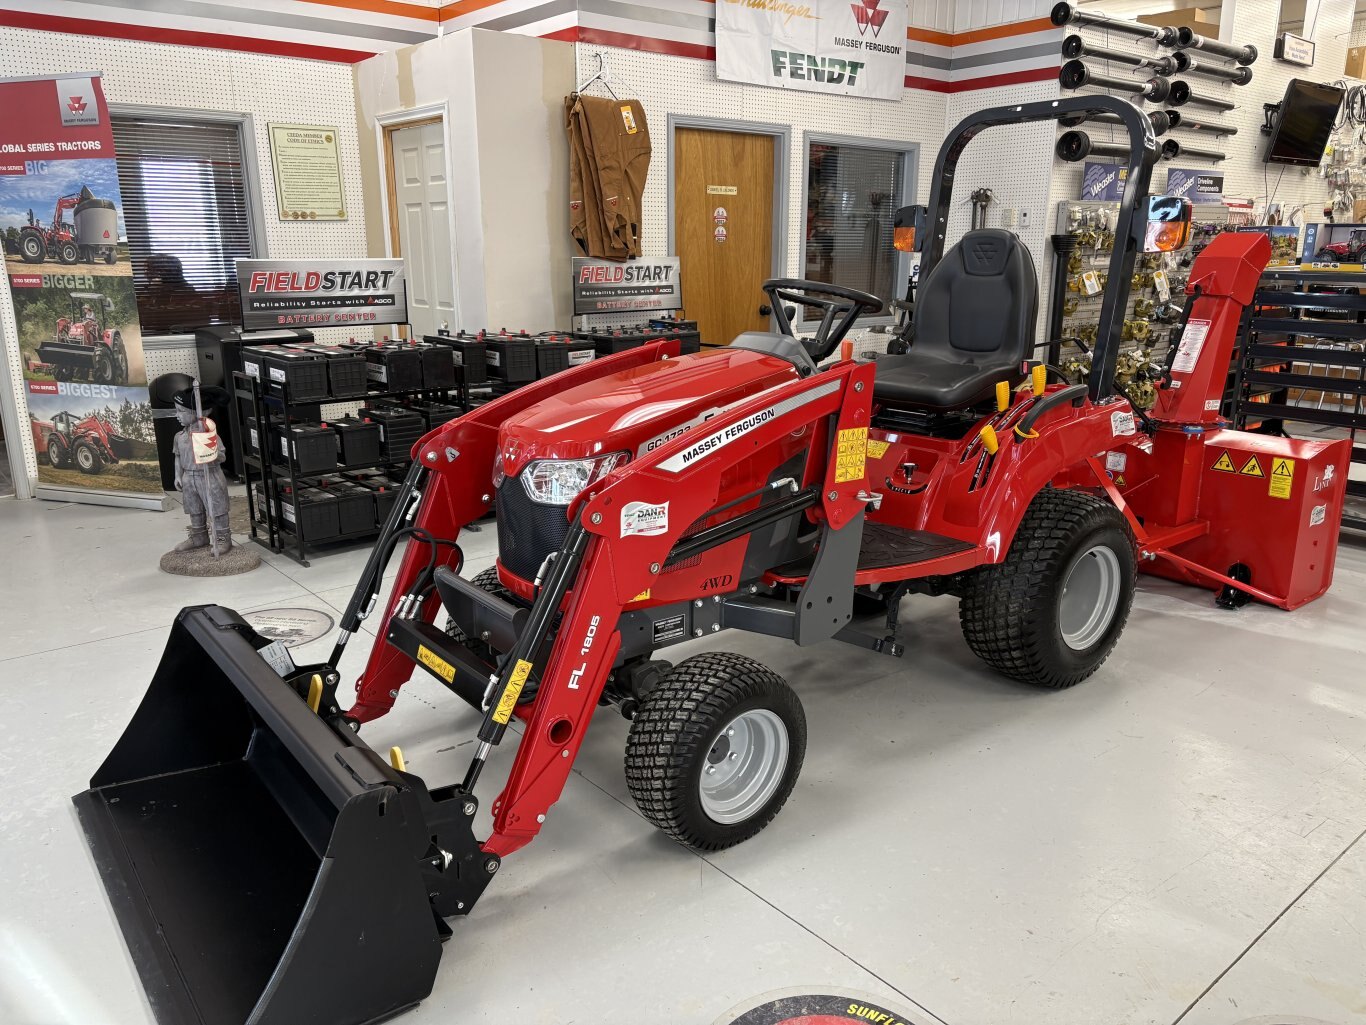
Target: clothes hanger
<point x="599" y="76"/>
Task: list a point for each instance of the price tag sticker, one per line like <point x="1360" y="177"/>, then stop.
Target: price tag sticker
<point x="1090" y="283"/>
<point x="1163" y="286"/>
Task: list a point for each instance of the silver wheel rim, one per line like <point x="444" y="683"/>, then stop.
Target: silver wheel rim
<point x="744" y="766"/>
<point x="85" y="458"/>
<point x="1090" y="596"/>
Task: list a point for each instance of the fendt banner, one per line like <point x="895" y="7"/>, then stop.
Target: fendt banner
<point x="69" y="284"/>
<point x="836" y="47"/>
<point x="321" y="293"/>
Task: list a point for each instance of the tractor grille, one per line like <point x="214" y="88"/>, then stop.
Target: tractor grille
<point x="527" y="532"/>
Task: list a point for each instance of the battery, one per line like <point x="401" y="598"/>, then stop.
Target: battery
<point x="399" y="429"/>
<point x="309" y="513"/>
<point x="312" y="448"/>
<point x="438" y="367"/>
<point x="552" y="356"/>
<point x="383" y="492"/>
<point x="469" y="354"/>
<point x="394" y="367"/>
<point x="347" y="372"/>
<point x="511" y="358"/>
<point x="357" y="441"/>
<point x="297" y="375"/>
<point x="355" y="506"/>
<point x="434" y="414"/>
<point x="672" y="324"/>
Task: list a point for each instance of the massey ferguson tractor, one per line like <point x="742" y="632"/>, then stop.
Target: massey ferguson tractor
<point x="87" y="443"/>
<point x="1349" y="250"/>
<point x="268" y="866"/>
<point x="84" y="347"/>
<point x="92" y="234"/>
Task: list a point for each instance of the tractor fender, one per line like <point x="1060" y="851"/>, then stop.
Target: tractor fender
<point x="1023" y="467"/>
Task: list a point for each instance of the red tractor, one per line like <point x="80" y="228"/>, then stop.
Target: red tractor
<point x="88" y="443"/>
<point x="1348" y="251"/>
<point x="85" y="347"/>
<point x="266" y="862"/>
<point x="91" y="234"/>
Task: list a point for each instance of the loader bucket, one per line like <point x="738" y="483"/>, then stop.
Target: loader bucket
<point x="262" y="861"/>
<point x="121" y="447"/>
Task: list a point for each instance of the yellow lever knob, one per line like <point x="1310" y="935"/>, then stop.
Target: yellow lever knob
<point x="1002" y="396"/>
<point x="396" y="759"/>
<point x="1040" y="378"/>
<point x="315" y="693"/>
<point x="989" y="439"/>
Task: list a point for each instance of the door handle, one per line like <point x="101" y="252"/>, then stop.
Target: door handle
<point x="765" y="310"/>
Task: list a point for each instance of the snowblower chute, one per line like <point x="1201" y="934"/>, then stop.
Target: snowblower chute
<point x="265" y="865"/>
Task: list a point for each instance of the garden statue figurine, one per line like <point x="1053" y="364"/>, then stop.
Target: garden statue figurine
<point x="199" y="476"/>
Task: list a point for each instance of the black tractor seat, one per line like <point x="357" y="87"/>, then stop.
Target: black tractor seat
<point x="974" y="326"/>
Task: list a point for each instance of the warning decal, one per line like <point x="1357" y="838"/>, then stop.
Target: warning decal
<point x="1252" y="468"/>
<point x="516" y="682"/>
<point x="1224" y="464"/>
<point x="877" y="449"/>
<point x="435" y="663"/>
<point x="851" y="454"/>
<point x="1282" y="477"/>
<point x="1120" y="482"/>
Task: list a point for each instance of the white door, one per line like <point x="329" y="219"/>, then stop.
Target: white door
<point x="422" y="232"/>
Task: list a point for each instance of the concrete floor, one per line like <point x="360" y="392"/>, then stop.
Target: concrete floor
<point x="1177" y="840"/>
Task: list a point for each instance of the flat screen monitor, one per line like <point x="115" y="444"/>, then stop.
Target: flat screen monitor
<point x="1306" y="119"/>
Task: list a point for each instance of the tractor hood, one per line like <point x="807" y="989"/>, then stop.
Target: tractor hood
<point x="637" y="410"/>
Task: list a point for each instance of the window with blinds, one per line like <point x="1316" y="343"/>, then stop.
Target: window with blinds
<point x="185" y="207"/>
<point x="852" y="194"/>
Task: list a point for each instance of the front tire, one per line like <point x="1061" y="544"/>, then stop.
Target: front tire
<point x="1050" y="614"/>
<point x="102" y="366"/>
<point x="715" y="750"/>
<point x="56" y="456"/>
<point x="68" y="253"/>
<point x="88" y="461"/>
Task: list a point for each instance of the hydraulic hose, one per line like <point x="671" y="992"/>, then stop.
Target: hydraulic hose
<point x="1195" y="123"/>
<point x="1075" y="74"/>
<point x="1068" y="14"/>
<point x="1181" y="94"/>
<point x="1188" y="65"/>
<point x="1074" y="46"/>
<point x="1188" y="40"/>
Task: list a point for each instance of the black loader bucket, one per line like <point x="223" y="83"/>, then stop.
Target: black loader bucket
<point x="265" y="865"/>
<point x="121" y="447"/>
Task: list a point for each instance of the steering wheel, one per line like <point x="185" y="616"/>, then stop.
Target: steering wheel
<point x="840" y="307"/>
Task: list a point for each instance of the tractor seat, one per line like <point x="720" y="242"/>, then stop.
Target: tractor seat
<point x="974" y="326"/>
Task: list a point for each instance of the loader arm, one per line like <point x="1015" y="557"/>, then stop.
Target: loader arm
<point x="614" y="559"/>
<point x="453" y="488"/>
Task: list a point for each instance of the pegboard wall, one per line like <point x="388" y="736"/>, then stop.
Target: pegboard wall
<point x="271" y="89"/>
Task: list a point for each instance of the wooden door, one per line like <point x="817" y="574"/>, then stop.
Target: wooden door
<point x="723" y="228"/>
<point x="419" y="222"/>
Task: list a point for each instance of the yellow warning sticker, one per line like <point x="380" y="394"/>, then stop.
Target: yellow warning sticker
<point x="1120" y="482"/>
<point x="642" y="596"/>
<point x="520" y="672"/>
<point x="1282" y="477"/>
<point x="435" y="663"/>
<point x="1224" y="464"/>
<point x="1252" y="468"/>
<point x="851" y="454"/>
<point x="877" y="449"/>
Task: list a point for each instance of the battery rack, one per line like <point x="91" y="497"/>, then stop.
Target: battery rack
<point x="1301" y="359"/>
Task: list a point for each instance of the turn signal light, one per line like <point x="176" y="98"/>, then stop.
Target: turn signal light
<point x="903" y="239"/>
<point x="1168" y="236"/>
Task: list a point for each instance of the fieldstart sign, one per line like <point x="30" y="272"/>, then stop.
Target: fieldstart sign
<point x="605" y="286"/>
<point x="321" y="293"/>
<point x="836" y="47"/>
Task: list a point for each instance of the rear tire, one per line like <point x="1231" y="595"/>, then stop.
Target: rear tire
<point x="728" y="714"/>
<point x="1050" y="614"/>
<point x="32" y="247"/>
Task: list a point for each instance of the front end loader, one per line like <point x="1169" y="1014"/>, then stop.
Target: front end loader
<point x="267" y="866"/>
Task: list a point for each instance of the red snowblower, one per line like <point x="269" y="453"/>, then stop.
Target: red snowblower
<point x="268" y="866"/>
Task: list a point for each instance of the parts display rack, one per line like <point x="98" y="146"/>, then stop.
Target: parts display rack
<point x="1301" y="359"/>
<point x="260" y="468"/>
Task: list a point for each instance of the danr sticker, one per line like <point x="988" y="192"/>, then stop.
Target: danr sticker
<point x="435" y="663"/>
<point x="1122" y="422"/>
<point x="516" y="682"/>
<point x="877" y="449"/>
<point x="1282" y="479"/>
<point x="851" y="454"/>
<point x="644" y="519"/>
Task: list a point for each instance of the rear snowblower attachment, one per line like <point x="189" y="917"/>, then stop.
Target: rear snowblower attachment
<point x="265" y="865"/>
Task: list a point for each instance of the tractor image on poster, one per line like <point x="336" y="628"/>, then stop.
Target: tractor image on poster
<point x="85" y="442"/>
<point x="268" y="866"/>
<point x="91" y="234"/>
<point x="1349" y="250"/>
<point x="84" y="346"/>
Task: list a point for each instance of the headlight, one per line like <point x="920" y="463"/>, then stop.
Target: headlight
<point x="559" y="481"/>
